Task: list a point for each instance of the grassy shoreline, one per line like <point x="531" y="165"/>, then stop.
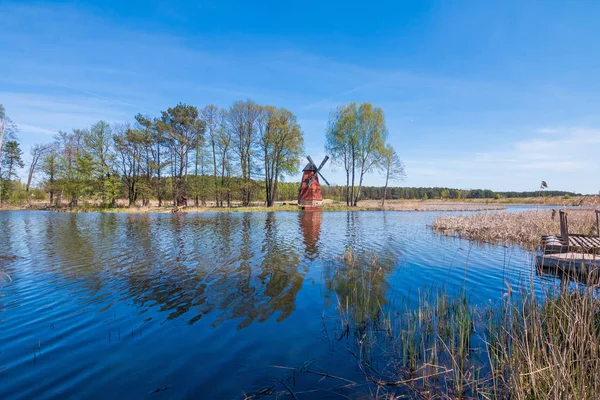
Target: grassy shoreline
<point x="368" y="205"/>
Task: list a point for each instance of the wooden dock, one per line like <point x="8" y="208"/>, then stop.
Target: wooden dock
<point x="570" y="267"/>
<point x="571" y="254"/>
<point x="576" y="262"/>
<point x="575" y="243"/>
<point x="570" y="242"/>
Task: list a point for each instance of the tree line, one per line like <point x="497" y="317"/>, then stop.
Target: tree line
<point x="209" y="154"/>
<point x="241" y="154"/>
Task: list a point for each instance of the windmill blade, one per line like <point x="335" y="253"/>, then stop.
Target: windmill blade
<point x="311" y="161"/>
<point x="322" y="177"/>
<point x="323" y="163"/>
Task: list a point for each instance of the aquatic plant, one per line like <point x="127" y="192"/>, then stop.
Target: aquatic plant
<point x="522" y="346"/>
<point x="521" y="228"/>
<point x="4" y="276"/>
<point x="546" y="348"/>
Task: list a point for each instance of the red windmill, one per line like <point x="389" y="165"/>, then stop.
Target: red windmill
<point x="310" y="189"/>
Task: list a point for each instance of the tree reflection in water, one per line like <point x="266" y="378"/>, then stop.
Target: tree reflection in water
<point x="359" y="282"/>
<point x="247" y="267"/>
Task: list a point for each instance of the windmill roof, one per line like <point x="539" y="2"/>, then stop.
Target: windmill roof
<point x="309" y="167"/>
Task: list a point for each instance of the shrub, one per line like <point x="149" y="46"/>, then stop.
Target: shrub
<point x="38" y="194"/>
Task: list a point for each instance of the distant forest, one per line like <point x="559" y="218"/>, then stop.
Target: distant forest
<point x="424" y="193"/>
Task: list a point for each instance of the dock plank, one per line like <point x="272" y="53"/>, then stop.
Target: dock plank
<point x="573" y="262"/>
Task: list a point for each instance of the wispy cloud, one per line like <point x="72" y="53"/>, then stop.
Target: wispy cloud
<point x="549" y="131"/>
<point x="561" y="159"/>
<point x="27" y="129"/>
<point x="99" y="96"/>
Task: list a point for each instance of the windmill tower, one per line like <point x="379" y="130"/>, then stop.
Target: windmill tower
<point x="310" y="195"/>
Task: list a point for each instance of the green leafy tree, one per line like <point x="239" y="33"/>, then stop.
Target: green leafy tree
<point x="281" y="142"/>
<point x="10" y="163"/>
<point x="341" y="143"/>
<point x="356" y="138"/>
<point x="12" y="159"/>
<point x="372" y="134"/>
<point x="38" y="194"/>
<point x="76" y="166"/>
<point x="184" y="130"/>
<point x="98" y="144"/>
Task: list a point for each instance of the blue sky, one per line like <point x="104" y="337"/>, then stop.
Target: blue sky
<point x="477" y="94"/>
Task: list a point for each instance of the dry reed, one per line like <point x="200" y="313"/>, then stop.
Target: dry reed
<point x="4" y="277"/>
<point x="522" y="228"/>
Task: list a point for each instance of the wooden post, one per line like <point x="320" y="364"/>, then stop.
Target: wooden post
<point x="564" y="227"/>
<point x="598" y="222"/>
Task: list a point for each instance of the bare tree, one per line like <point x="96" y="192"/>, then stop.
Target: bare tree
<point x="393" y="167"/>
<point x="129" y="148"/>
<point x="242" y="119"/>
<point x="224" y="144"/>
<point x="38" y="153"/>
<point x="213" y="117"/>
<point x="1" y="136"/>
<point x="8" y="131"/>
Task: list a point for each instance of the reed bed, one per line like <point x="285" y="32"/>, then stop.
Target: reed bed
<point x="441" y="346"/>
<point x="521" y="228"/>
<point x="429" y="205"/>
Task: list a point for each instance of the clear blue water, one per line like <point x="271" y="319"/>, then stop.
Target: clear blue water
<point x="207" y="305"/>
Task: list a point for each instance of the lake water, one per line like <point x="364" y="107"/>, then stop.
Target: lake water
<point x="207" y="305"/>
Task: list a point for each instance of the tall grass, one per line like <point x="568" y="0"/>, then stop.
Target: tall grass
<point x="442" y="346"/>
<point x="546" y="349"/>
<point x="522" y="228"/>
